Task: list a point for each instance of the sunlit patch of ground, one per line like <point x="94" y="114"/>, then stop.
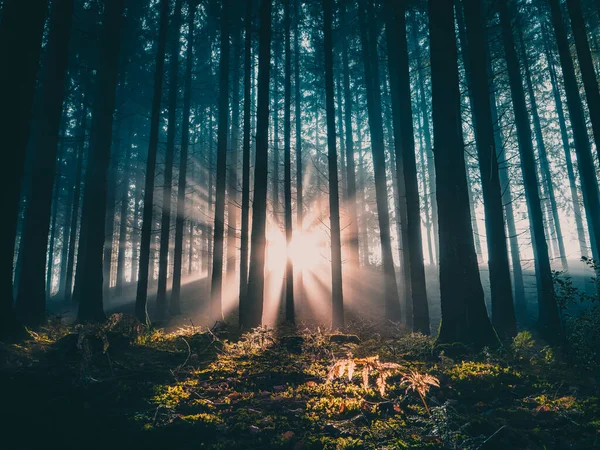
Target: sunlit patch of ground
<point x="114" y="385"/>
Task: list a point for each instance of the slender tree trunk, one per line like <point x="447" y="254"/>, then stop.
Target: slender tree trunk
<point x="275" y="152"/>
<point x="107" y="259"/>
<point x="464" y="316"/>
<point x="350" y="168"/>
<point x="68" y="287"/>
<point x="232" y="188"/>
<point x="428" y="146"/>
<point x="464" y="46"/>
<point x="298" y="123"/>
<point x="256" y="278"/>
<point x="507" y="199"/>
<point x="54" y="212"/>
<point x="585" y="160"/>
<point x="183" y="160"/>
<point x="136" y="235"/>
<point x="543" y="155"/>
<point x="406" y="166"/>
<point x="548" y="311"/>
<point x="219" y="228"/>
<point x="165" y="222"/>
<point x="426" y="189"/>
<point x="337" y="298"/>
<point x="123" y="213"/>
<point x="340" y="125"/>
<point x="287" y="165"/>
<point x="66" y="229"/>
<point x="147" y="214"/>
<point x="503" y="312"/>
<point x="369" y="50"/>
<point x="246" y="162"/>
<point x="21" y="29"/>
<point x="586" y="65"/>
<point x="94" y="199"/>
<point x="31" y="297"/>
<point x="567" y="150"/>
<point x="363" y="238"/>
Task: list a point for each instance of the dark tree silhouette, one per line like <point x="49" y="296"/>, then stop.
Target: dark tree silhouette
<point x="464" y="317"/>
<point x="256" y="278"/>
<point x="94" y="196"/>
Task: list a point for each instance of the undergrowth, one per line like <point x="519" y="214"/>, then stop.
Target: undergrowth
<point x="291" y="389"/>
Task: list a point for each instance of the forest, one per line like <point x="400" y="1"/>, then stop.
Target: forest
<point x="300" y="224"/>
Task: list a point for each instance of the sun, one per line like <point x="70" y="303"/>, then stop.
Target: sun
<point x="307" y="249"/>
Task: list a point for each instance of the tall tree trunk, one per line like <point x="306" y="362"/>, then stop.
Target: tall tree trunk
<point x="548" y="311"/>
<point x="141" y="298"/>
<point x="363" y="238"/>
<point x="350" y="167"/>
<point x="369" y="50"/>
<point x="165" y="221"/>
<point x="66" y="229"/>
<point x="585" y="160"/>
<point x="256" y="278"/>
<point x="21" y="29"/>
<point x="464" y="316"/>
<point x="246" y="161"/>
<point x="287" y="165"/>
<point x="54" y="212"/>
<point x="507" y="198"/>
<point x="503" y="312"/>
<point x="464" y="46"/>
<point x="123" y="213"/>
<point x="426" y="189"/>
<point x="298" y="123"/>
<point x="428" y="146"/>
<point x="111" y="199"/>
<point x="31" y="297"/>
<point x="543" y="154"/>
<point x="337" y="298"/>
<point x="83" y="128"/>
<point x="406" y="166"/>
<point x="275" y="151"/>
<point x="183" y="160"/>
<point x="232" y="188"/>
<point x="558" y="104"/>
<point x="215" y="310"/>
<point x="136" y="235"/>
<point x="94" y="198"/>
<point x="586" y="65"/>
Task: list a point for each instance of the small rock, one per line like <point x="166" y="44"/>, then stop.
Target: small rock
<point x="253" y="429"/>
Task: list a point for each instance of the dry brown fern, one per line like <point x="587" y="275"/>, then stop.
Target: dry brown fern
<point x="370" y="365"/>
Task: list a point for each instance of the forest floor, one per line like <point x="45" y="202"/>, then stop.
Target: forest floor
<point x="122" y="386"/>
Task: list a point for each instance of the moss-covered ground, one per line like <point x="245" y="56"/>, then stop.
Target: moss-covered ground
<point x="122" y="386"/>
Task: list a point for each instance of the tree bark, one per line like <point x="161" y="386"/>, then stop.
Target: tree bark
<point x="406" y="166"/>
<point x="175" y="307"/>
<point x="287" y="165"/>
<point x="215" y="309"/>
<point x="141" y="298"/>
<point x="503" y="313"/>
<point x="256" y="278"/>
<point x="246" y="161"/>
<point x="94" y="198"/>
<point x="549" y="320"/>
<point x="165" y="221"/>
<point x="31" y="298"/>
<point x="353" y="253"/>
<point x="370" y="60"/>
<point x="21" y="29"/>
<point x="464" y="316"/>
<point x="337" y="298"/>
